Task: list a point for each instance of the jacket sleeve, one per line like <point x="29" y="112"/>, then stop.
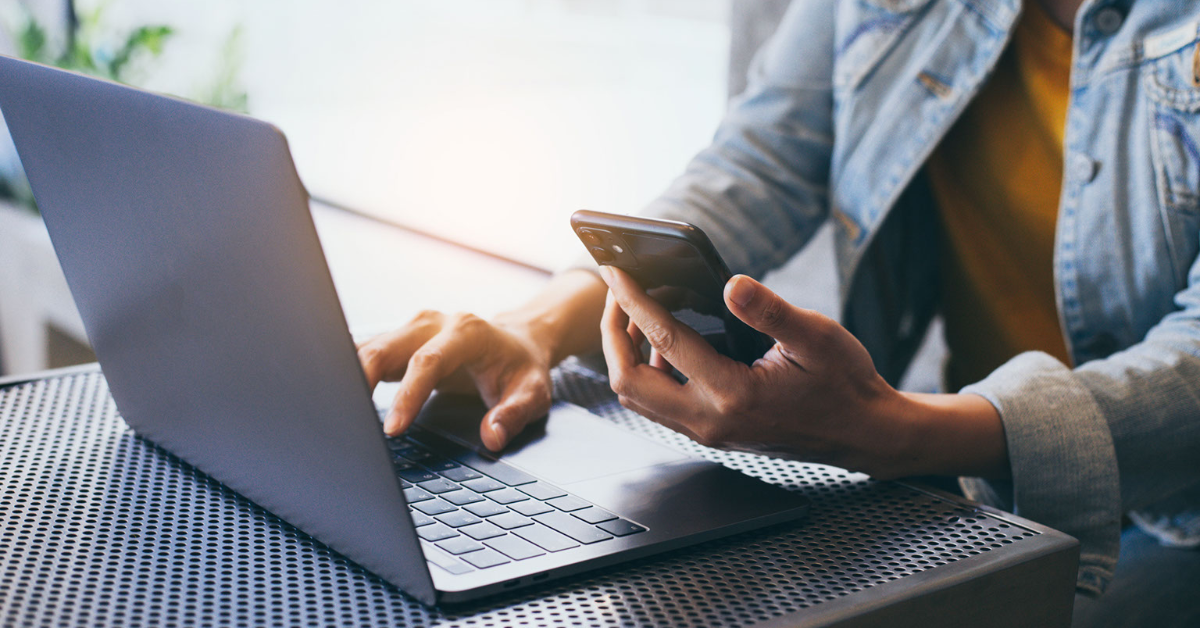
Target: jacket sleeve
<point x="1113" y="435"/>
<point x="760" y="190"/>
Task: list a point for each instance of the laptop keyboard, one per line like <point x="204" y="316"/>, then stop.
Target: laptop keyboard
<point x="482" y="513"/>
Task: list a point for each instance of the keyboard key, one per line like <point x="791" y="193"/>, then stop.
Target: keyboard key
<point x="481" y="531"/>
<point x="458" y="519"/>
<point x="435" y="532"/>
<point x="485" y="558"/>
<point x="459" y="545"/>
<point x="621" y="527"/>
<point x="572" y="527"/>
<point x="485" y="508"/>
<point x="414" y="474"/>
<point x="440" y="464"/>
<point x="483" y="485"/>
<point x="460" y="474"/>
<point x="594" y="515"/>
<point x="445" y="447"/>
<point x="434" y="506"/>
<point x="542" y="491"/>
<point x="435" y="557"/>
<point x="412" y="452"/>
<point x="530" y="508"/>
<point x="421" y="519"/>
<point x="510" y="520"/>
<point x="405" y="484"/>
<point x="457" y="568"/>
<point x="568" y="503"/>
<point x="415" y="494"/>
<point x="511" y="476"/>
<point x="462" y="496"/>
<point x="438" y="485"/>
<point x="545" y="538"/>
<point x="507" y="496"/>
<point x="513" y="547"/>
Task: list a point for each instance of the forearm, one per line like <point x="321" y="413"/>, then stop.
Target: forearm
<point x="564" y="318"/>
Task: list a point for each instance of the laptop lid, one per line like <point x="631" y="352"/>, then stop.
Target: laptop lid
<point x="186" y="239"/>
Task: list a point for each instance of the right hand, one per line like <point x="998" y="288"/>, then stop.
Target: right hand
<point x="501" y="361"/>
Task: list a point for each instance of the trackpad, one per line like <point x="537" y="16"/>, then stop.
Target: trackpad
<point x="570" y="445"/>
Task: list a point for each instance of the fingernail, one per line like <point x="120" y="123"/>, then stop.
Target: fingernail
<point x="741" y="290"/>
<point x="391" y="425"/>
<point x="500" y="433"/>
<point x="605" y="273"/>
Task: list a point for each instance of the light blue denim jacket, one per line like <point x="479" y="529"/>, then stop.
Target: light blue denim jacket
<point x="845" y="105"/>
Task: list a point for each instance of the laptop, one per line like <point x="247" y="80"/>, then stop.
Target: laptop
<point x="186" y="239"/>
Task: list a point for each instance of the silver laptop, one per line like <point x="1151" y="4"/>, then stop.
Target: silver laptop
<point x="186" y="238"/>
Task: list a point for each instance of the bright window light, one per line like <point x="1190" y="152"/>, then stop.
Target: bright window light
<point x="483" y="121"/>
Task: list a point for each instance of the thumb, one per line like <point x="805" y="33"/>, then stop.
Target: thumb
<point x="507" y="418"/>
<point x="759" y="307"/>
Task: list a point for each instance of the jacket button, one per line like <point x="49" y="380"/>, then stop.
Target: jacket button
<point x="1108" y="20"/>
<point x="1082" y="168"/>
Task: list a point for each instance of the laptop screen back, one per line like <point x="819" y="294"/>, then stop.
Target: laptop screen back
<point x="185" y="237"/>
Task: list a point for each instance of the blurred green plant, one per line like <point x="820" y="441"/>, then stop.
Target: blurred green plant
<point x="82" y="53"/>
<point x="123" y="59"/>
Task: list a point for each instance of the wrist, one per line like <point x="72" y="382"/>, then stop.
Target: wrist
<point x="951" y="434"/>
<point x="564" y="319"/>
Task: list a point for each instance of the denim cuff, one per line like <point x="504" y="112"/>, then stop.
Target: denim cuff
<point x="1064" y="466"/>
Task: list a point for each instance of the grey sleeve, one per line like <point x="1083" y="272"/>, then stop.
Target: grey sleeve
<point x="1113" y="435"/>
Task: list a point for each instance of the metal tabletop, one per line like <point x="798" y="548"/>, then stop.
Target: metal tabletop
<point x="100" y="527"/>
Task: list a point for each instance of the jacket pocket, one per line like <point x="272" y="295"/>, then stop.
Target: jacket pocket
<point x="1173" y="84"/>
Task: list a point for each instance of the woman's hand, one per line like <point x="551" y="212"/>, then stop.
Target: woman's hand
<point x="814" y="396"/>
<point x="462" y="353"/>
<point x="506" y="360"/>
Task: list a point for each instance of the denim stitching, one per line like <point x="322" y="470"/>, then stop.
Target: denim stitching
<point x="885" y="24"/>
<point x="1173" y="126"/>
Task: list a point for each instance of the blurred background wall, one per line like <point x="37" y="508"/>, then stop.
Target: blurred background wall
<point x="486" y="122"/>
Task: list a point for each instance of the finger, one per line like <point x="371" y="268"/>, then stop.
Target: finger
<point x="615" y="339"/>
<point x="652" y="389"/>
<point x="385" y="357"/>
<point x="392" y="425"/>
<point x="623" y="358"/>
<point x="659" y="362"/>
<point x="527" y="401"/>
<point x="678" y="343"/>
<point x="638" y="339"/>
<point x="797" y="330"/>
<point x="452" y="347"/>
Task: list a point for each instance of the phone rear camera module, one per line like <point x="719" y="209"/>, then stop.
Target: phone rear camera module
<point x="602" y="255"/>
<point x="591" y="238"/>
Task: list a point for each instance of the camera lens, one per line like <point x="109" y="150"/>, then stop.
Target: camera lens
<point x="602" y="255"/>
<point x="591" y="238"/>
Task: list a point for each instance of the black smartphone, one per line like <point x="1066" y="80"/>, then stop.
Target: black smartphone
<point x="679" y="267"/>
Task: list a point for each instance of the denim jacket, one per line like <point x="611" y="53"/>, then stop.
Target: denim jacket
<point x="845" y="105"/>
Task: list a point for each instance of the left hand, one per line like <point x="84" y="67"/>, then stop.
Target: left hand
<point x="815" y="396"/>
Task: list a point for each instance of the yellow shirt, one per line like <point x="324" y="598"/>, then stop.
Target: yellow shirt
<point x="996" y="178"/>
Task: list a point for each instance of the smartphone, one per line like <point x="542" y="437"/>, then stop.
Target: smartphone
<point x="679" y="267"/>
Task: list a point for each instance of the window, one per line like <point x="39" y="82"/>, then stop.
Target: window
<point x="484" y="121"/>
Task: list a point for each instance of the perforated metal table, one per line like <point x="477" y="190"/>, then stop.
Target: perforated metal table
<point x="100" y="527"/>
